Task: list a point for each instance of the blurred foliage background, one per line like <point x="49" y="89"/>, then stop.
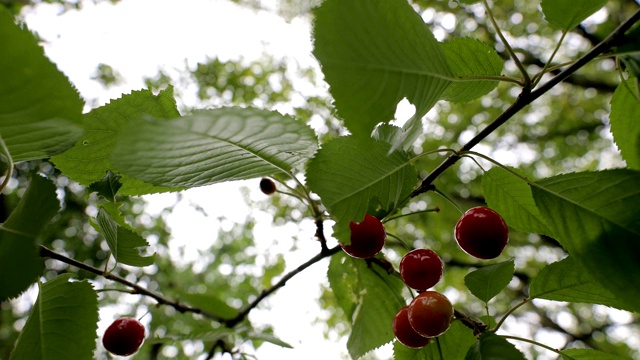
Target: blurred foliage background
<point x="564" y="131"/>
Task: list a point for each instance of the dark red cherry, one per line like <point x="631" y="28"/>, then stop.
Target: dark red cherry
<point x="367" y="238"/>
<point x="430" y="314"/>
<point x="405" y="333"/>
<point x="482" y="233"/>
<point x="421" y="269"/>
<point x="123" y="337"/>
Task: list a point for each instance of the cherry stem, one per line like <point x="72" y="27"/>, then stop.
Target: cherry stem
<point x="504" y="317"/>
<point x="435" y="209"/>
<point x="525" y="98"/>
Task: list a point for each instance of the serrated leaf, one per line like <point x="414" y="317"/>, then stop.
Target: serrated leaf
<point x="355" y="176"/>
<point x="566" y="280"/>
<point x="625" y="112"/>
<point x="589" y="354"/>
<point x="630" y="45"/>
<point x="596" y="218"/>
<point x="18" y="234"/>
<point x="40" y="111"/>
<point x="124" y="243"/>
<point x="567" y="14"/>
<point x="214" y="146"/>
<point x="343" y="286"/>
<point x="375" y="53"/>
<point x="62" y="324"/>
<point x="107" y="187"/>
<point x="470" y="57"/>
<point x="493" y="347"/>
<point x="511" y="197"/>
<point x="90" y="158"/>
<point x="380" y="299"/>
<point x="489" y="281"/>
<point x="453" y="345"/>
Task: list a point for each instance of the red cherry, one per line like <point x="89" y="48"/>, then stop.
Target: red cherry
<point x="367" y="238"/>
<point x="430" y="314"/>
<point x="123" y="337"/>
<point x="421" y="269"/>
<point x="482" y="233"/>
<point x="405" y="333"/>
<point x="267" y="186"/>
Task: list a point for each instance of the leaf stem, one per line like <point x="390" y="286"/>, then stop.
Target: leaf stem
<point x="512" y="54"/>
<point x="536" y="79"/>
<point x="536" y="343"/>
<point x="435" y="209"/>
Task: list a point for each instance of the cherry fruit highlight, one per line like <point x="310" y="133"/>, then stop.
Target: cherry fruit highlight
<point x="482" y="233"/>
<point x="421" y="269"/>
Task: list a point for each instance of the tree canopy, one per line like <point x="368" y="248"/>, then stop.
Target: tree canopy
<point x="433" y="108"/>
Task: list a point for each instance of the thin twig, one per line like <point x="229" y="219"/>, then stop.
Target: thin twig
<point x="525" y="98"/>
<point x="161" y="299"/>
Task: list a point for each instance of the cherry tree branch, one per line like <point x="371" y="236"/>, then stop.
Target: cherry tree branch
<point x="137" y="289"/>
<point x="526" y="97"/>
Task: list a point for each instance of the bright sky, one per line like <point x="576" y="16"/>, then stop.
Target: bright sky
<point x="136" y="37"/>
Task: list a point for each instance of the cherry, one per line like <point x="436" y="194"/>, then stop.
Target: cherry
<point x="405" y="333"/>
<point x="421" y="269"/>
<point x="267" y="186"/>
<point x="123" y="337"/>
<point x="482" y="233"/>
<point x="430" y="314"/>
<point x="367" y="238"/>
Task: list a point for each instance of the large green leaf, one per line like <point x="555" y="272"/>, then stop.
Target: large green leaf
<point x="90" y="158"/>
<point x="213" y="146"/>
<point x="488" y="281"/>
<point x="125" y="244"/>
<point x="355" y="176"/>
<point x="469" y="57"/>
<point x="40" y="111"/>
<point x="375" y="53"/>
<point x="511" y="196"/>
<point x="566" y="280"/>
<point x="380" y="299"/>
<point x="625" y="112"/>
<point x="62" y="324"/>
<point x="567" y="14"/>
<point x="589" y="354"/>
<point x="493" y="347"/>
<point x="342" y="283"/>
<point x="19" y="260"/>
<point x="596" y="217"/>
<point x="453" y="345"/>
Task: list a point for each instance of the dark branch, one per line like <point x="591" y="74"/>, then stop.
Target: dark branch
<point x="48" y="253"/>
<point x="527" y="97"/>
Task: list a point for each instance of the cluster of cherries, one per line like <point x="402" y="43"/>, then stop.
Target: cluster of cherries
<point x="480" y="232"/>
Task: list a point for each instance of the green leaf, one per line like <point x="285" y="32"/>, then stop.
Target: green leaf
<point x="625" y="112"/>
<point x="107" y="187"/>
<point x="270" y="338"/>
<point x="375" y="53"/>
<point x="211" y="303"/>
<point x="62" y="324"/>
<point x="40" y="111"/>
<point x="18" y="234"/>
<point x="589" y="354"/>
<point x="213" y="146"/>
<point x="453" y="344"/>
<point x="511" y="197"/>
<point x="341" y="281"/>
<point x="630" y="45"/>
<point x="567" y="14"/>
<point x="493" y="347"/>
<point x="124" y="243"/>
<point x="596" y="217"/>
<point x="469" y="57"/>
<point x="90" y="158"/>
<point x="355" y="176"/>
<point x="566" y="280"/>
<point x="379" y="300"/>
<point x="488" y="281"/>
